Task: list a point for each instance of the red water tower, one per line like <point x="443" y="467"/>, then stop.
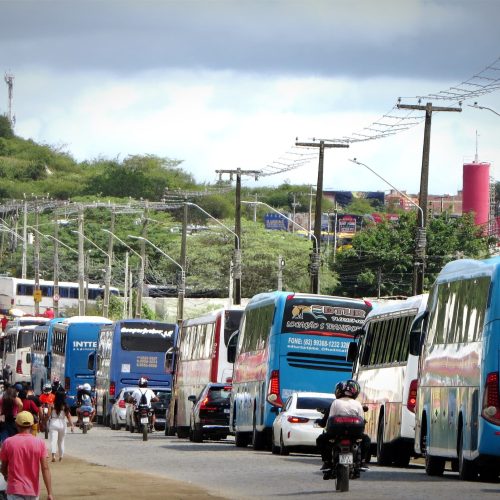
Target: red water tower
<point x="476" y="191"/>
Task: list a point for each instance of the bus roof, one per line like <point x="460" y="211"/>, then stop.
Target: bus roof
<point x="272" y="296"/>
<point x="468" y="267"/>
<point x="210" y="315"/>
<point x="86" y="319"/>
<point x="417" y="303"/>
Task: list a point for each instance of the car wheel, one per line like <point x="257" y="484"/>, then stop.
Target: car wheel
<point x="283" y="449"/>
<point x="197" y="435"/>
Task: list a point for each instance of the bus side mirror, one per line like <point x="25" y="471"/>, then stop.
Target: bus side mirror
<point x="28" y="357"/>
<point x="415" y="343"/>
<point x="46" y="361"/>
<point x="352" y="352"/>
<point x="169" y="360"/>
<point x="91" y="361"/>
<point x="192" y="399"/>
<point x="231" y="347"/>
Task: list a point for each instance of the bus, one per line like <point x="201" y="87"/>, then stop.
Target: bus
<point x="203" y="358"/>
<point x="72" y="341"/>
<point x="40" y="354"/>
<point x="386" y="370"/>
<point x="18" y="339"/>
<point x="17" y="293"/>
<point x="458" y="403"/>
<point x="127" y="350"/>
<point x="288" y="342"/>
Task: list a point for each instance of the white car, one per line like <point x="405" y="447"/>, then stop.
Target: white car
<point x="295" y="428"/>
<point x="117" y="417"/>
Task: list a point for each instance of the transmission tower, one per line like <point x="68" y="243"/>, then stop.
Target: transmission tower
<point x="9" y="80"/>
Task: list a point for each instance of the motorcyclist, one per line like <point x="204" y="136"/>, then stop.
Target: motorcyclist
<point x="56" y="383"/>
<point x="47" y="398"/>
<point x="85" y="401"/>
<point x="143" y="395"/>
<point x="345" y="405"/>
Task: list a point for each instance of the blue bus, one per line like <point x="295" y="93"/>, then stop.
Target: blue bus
<point x="288" y="342"/>
<point x="72" y="341"/>
<point x="457" y="414"/>
<point x="127" y="350"/>
<point x="41" y="352"/>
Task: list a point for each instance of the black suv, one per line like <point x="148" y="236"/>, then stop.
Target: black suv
<point x="210" y="413"/>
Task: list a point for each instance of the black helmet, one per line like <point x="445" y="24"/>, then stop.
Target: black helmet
<point x="143" y="382"/>
<point x="349" y="388"/>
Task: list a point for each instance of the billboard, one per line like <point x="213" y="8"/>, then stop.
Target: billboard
<point x="275" y="222"/>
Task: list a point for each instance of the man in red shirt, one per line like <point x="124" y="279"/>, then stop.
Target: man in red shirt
<point x="22" y="456"/>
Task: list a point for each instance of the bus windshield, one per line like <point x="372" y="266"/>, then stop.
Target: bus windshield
<point x="25" y="338"/>
<point x="303" y="315"/>
<point x="146" y="337"/>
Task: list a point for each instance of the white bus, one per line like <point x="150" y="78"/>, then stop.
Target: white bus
<point x="386" y="370"/>
<point x="18" y="340"/>
<point x="17" y="293"/>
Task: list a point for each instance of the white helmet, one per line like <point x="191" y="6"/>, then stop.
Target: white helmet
<point x="47" y="387"/>
<point x="86" y="387"/>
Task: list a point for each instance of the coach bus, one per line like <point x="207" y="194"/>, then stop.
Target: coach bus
<point x="41" y="353"/>
<point x="18" y="293"/>
<point x="203" y="358"/>
<point x="288" y="342"/>
<point x="72" y="341"/>
<point x="130" y="349"/>
<point x="18" y="339"/>
<point x="386" y="370"/>
<point x="458" y="403"/>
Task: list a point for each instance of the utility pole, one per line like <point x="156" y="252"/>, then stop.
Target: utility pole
<point x="55" y="294"/>
<point x="316" y="255"/>
<point x="9" y="80"/>
<point x="37" y="295"/>
<point x="281" y="265"/>
<point x="181" y="292"/>
<point x="126" y="288"/>
<point x="25" y="240"/>
<point x="81" y="265"/>
<point x="420" y="243"/>
<point x="140" y="278"/>
<point x="237" y="225"/>
<point x="109" y="262"/>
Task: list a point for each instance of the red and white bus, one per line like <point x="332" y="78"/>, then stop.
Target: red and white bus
<point x="202" y="358"/>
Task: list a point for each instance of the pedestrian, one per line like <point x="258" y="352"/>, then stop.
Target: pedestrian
<point x="22" y="456"/>
<point x="10" y="406"/>
<point x="29" y="405"/>
<point x="7" y="373"/>
<point x="57" y="425"/>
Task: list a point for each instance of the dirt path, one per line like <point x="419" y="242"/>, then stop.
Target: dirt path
<point x="76" y="479"/>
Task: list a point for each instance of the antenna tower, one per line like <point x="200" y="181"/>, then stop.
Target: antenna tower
<point x="9" y="80"/>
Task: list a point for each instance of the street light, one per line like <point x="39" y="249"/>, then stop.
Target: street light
<point x="182" y="285"/>
<point x="237" y="253"/>
<point x="420" y="241"/>
<point x="475" y="105"/>
<point x="107" y="280"/>
<point x="141" y="273"/>
<point x="315" y="255"/>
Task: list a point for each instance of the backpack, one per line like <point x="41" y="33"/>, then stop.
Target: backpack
<point x="144" y="399"/>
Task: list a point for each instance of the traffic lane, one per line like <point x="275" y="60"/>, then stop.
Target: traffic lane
<point x="239" y="473"/>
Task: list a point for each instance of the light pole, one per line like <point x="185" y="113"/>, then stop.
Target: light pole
<point x="420" y="240"/>
<point x="138" y="311"/>
<point x="237" y="254"/>
<point x="314" y="267"/>
<point x="107" y="280"/>
<point x="182" y="285"/>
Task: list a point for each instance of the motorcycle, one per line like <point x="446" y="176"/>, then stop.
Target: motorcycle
<point x="345" y="436"/>
<point x="44" y="421"/>
<point x="144" y="420"/>
<point x="85" y="413"/>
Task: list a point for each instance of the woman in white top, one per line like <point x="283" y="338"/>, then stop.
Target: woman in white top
<point x="57" y="425"/>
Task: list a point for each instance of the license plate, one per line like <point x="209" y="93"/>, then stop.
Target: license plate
<point x="345" y="459"/>
<point x="45" y="410"/>
<point x="226" y="410"/>
<point x="144" y="420"/>
<point x="86" y="420"/>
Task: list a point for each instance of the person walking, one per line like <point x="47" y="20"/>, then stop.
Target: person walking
<point x="10" y="406"/>
<point x="57" y="425"/>
<point x="29" y="405"/>
<point x="22" y="456"/>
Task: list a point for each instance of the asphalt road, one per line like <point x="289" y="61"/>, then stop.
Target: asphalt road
<point x="227" y="471"/>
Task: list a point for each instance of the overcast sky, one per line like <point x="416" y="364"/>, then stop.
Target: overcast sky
<point x="222" y="84"/>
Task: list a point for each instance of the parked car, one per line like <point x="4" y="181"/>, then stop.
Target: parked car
<point x="210" y="413"/>
<point x="118" y="414"/>
<point x="159" y="408"/>
<point x="295" y="428"/>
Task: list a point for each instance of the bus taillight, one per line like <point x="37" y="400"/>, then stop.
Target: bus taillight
<point x="412" y="396"/>
<point x="112" y="389"/>
<point x="66" y="384"/>
<point x="491" y="399"/>
<point x="19" y="366"/>
<point x="273" y="393"/>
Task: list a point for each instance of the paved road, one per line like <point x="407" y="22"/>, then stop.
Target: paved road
<point x="237" y="473"/>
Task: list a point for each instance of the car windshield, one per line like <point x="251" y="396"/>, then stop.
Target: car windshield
<point x="219" y="393"/>
<point x="311" y="403"/>
<point x="163" y="396"/>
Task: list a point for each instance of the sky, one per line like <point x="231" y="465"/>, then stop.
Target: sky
<point x="226" y="84"/>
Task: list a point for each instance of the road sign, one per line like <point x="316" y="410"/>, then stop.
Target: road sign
<point x="37" y="295"/>
<point x="56" y="298"/>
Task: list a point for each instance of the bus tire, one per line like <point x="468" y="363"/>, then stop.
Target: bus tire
<point x="467" y="469"/>
<point x="258" y="439"/>
<point x="434" y="466"/>
<point x="402" y="455"/>
<point x="383" y="450"/>
<point x="241" y="439"/>
<point x="182" y="432"/>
